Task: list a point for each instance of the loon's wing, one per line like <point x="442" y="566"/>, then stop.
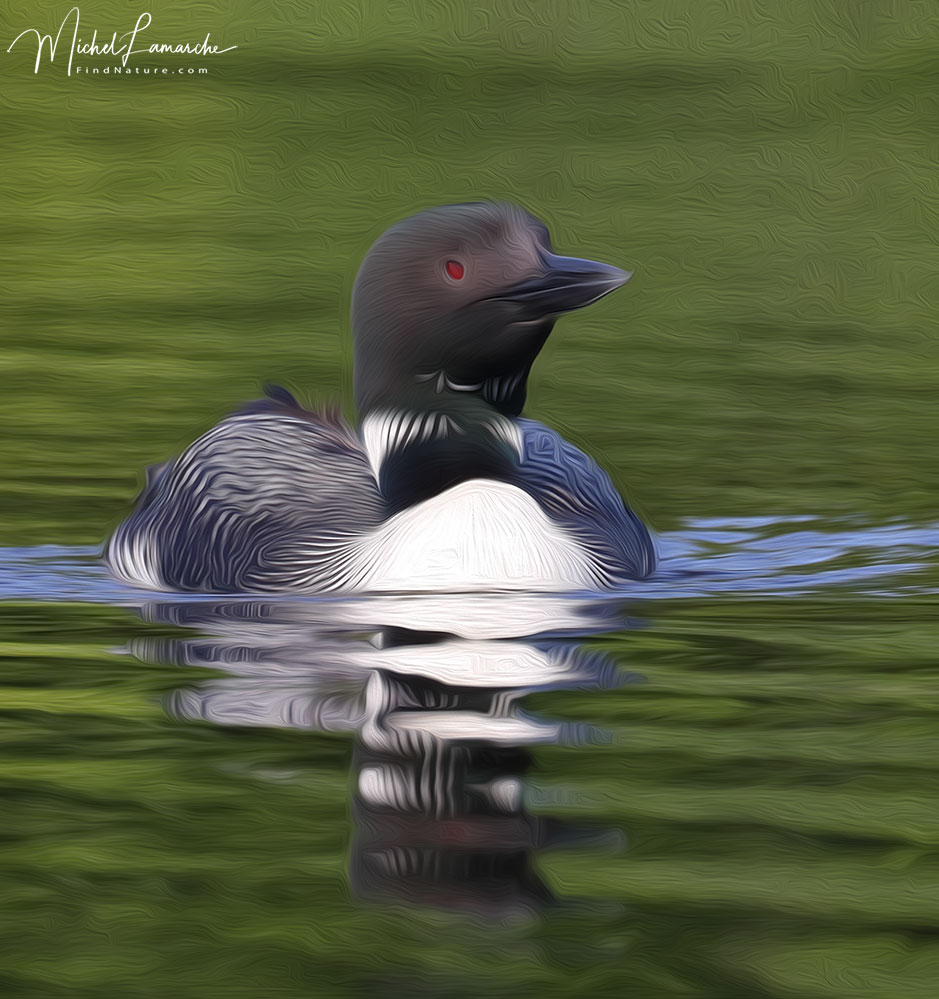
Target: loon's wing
<point x="266" y="500"/>
<point x="578" y="495"/>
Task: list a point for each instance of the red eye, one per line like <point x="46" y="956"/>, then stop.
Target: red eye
<point x="455" y="269"/>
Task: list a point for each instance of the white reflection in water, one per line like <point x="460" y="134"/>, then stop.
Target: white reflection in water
<point x="431" y="688"/>
<point x="430" y="685"/>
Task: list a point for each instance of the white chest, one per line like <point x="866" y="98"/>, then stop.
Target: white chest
<point x="478" y="535"/>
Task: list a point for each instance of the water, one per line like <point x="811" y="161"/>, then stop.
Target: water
<point x="721" y="782"/>
<point x="755" y="556"/>
<point x="736" y="794"/>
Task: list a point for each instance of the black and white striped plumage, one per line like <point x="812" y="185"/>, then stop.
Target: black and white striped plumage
<point x="232" y="512"/>
<point x="279" y="499"/>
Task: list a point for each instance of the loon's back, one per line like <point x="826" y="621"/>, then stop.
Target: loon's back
<point x="234" y="510"/>
<point x="280" y="499"/>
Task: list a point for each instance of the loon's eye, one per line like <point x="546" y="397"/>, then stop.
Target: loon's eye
<point x="455" y="270"/>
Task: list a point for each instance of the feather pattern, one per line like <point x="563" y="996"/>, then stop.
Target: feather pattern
<point x="278" y="498"/>
<point x="231" y="512"/>
<point x="579" y="496"/>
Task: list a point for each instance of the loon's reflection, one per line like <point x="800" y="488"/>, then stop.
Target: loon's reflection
<point x="430" y="686"/>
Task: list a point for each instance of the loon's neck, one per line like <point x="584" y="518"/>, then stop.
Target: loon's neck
<point x="437" y="387"/>
<point x="400" y="366"/>
<point x="504" y="393"/>
<point x="417" y="451"/>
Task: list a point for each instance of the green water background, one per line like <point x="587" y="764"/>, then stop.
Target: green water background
<point x="770" y="173"/>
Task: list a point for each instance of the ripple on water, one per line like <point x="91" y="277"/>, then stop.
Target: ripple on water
<point x="757" y="737"/>
<point x="754" y="556"/>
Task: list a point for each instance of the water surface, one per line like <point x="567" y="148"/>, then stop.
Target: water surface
<point x="195" y="793"/>
<point x="721" y="782"/>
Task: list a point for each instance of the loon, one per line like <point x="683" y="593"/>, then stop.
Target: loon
<point x="444" y="487"/>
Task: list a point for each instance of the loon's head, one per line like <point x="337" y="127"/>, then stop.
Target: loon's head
<point x="459" y="300"/>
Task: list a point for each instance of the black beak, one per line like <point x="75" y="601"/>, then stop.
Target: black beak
<point x="566" y="283"/>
